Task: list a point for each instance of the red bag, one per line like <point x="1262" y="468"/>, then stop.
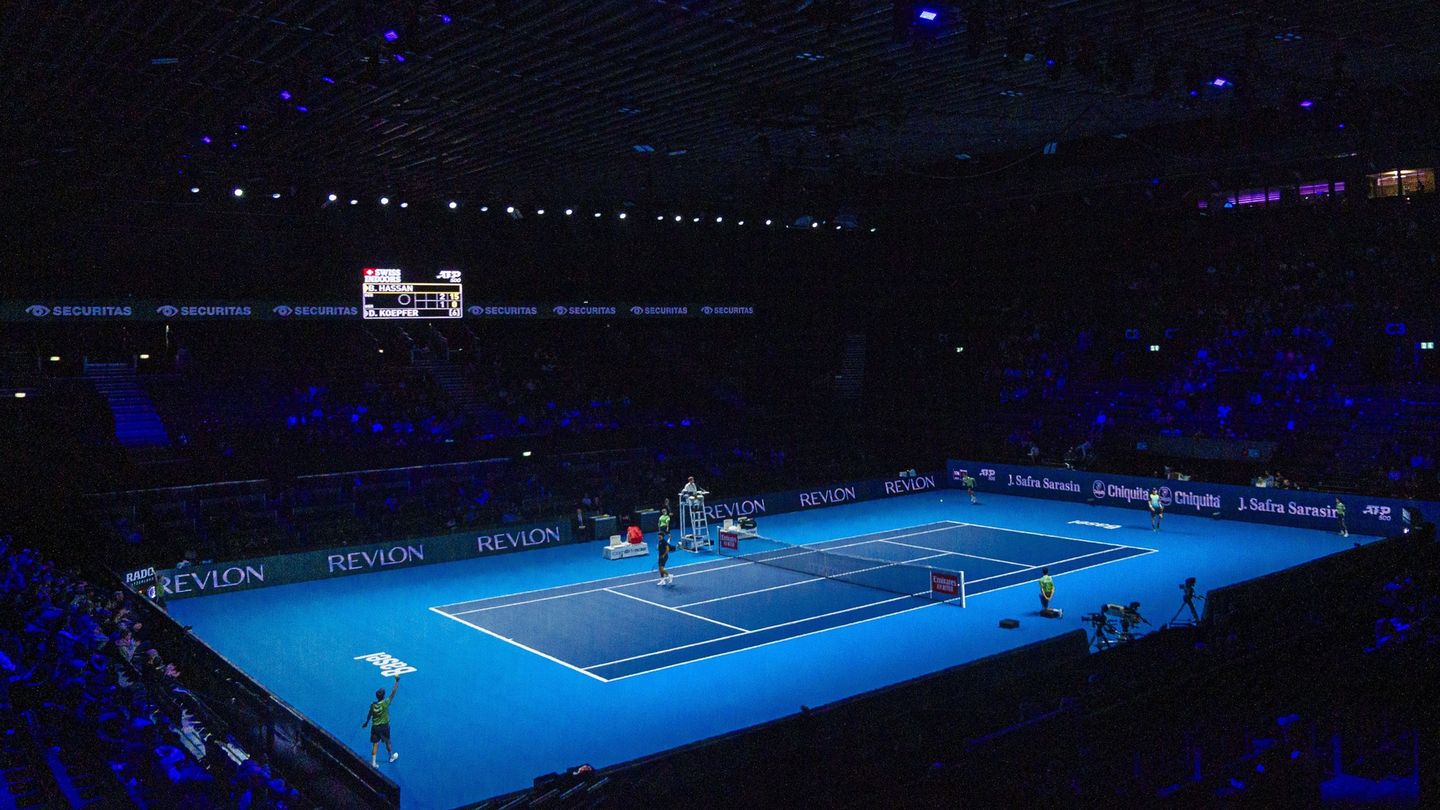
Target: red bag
<point x="634" y="535"/>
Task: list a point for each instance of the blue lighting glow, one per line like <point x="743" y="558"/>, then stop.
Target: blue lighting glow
<point x="302" y="109"/>
<point x="391" y="36"/>
<point x="285" y="95"/>
<point x="929" y="15"/>
<point x="327" y="80"/>
<point x="1307" y="104"/>
<point x="205" y="139"/>
<point x="1220" y="81"/>
<point x="445" y="19"/>
<point x="399" y="57"/>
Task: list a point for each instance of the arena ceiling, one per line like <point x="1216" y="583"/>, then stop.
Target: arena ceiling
<point x="646" y="100"/>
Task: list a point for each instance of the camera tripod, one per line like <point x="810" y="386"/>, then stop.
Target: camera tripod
<point x="1187" y="603"/>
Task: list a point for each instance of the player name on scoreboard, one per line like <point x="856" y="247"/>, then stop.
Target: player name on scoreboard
<point x="387" y="293"/>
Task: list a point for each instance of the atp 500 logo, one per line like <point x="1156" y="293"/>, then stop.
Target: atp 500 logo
<point x="988" y="474"/>
<point x="1381" y="512"/>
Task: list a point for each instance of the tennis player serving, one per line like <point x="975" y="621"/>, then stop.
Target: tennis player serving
<point x="378" y="719"/>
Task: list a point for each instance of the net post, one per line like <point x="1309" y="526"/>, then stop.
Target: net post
<point x="962" y="588"/>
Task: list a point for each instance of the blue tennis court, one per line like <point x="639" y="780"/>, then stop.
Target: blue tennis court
<point x="562" y="639"/>
<point x="621" y="627"/>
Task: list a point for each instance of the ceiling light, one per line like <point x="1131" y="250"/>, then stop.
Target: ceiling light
<point x="768" y="221"/>
<point x="354" y="202"/>
<point x="597" y="214"/>
<point x="194" y="189"/>
<point x="622" y="214"/>
<point x="928" y="15"/>
<point x="539" y="212"/>
<point x="238" y="192"/>
<point x="719" y="220"/>
<point x="509" y="209"/>
<point x="384" y="200"/>
<point x="484" y="209"/>
<point x="677" y="217"/>
<point x="404" y="205"/>
<point x="454" y="205"/>
<point x="569" y="212"/>
<point x="332" y="198"/>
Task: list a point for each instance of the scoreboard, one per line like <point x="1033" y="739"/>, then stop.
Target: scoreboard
<point x="390" y="293"/>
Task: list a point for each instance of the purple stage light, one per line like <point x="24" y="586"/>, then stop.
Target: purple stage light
<point x="205" y="138"/>
<point x="399" y="57"/>
<point x="302" y="109"/>
<point x="391" y="36"/>
<point x="327" y="80"/>
<point x="445" y="18"/>
<point x="285" y="95"/>
<point x="1220" y="81"/>
<point x="1307" y="104"/>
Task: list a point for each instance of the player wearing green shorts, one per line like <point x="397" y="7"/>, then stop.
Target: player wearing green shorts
<point x="1340" y="516"/>
<point x="969" y="482"/>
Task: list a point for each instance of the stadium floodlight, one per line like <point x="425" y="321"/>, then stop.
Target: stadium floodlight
<point x="659" y="217"/>
<point x="454" y="205"/>
<point x="741" y="222"/>
<point x="509" y="209"/>
<point x="354" y="202"/>
<point x="54" y="358"/>
<point x="332" y="198"/>
<point x="484" y="209"/>
<point x="539" y="212"/>
<point x="719" y="220"/>
<point x="569" y="212"/>
<point x="384" y="200"/>
<point x="19" y="394"/>
<point x="597" y="214"/>
<point x="238" y="192"/>
<point x="677" y="217"/>
<point x="194" y="189"/>
<point x="275" y="196"/>
<point x="144" y="357"/>
<point x="404" y="205"/>
<point x="769" y="221"/>
<point x="525" y="454"/>
<point x="622" y="215"/>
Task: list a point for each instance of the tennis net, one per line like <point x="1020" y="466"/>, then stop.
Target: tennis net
<point x="893" y="576"/>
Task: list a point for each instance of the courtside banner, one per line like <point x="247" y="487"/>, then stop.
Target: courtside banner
<point x="305" y="566"/>
<point x="796" y="500"/>
<point x="1286" y="507"/>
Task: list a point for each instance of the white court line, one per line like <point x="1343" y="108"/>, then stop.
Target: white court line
<point x="493" y="634"/>
<point x="763" y="629"/>
<point x="1073" y="571"/>
<point x="1057" y="562"/>
<point x="816" y="578"/>
<point x="1056" y="536"/>
<point x="768" y="643"/>
<point x="678" y="610"/>
<point x="956" y="553"/>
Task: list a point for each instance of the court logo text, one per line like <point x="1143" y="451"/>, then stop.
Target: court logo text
<point x="389" y="665"/>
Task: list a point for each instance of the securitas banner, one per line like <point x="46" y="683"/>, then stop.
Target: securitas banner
<point x="796" y="500"/>
<point x="49" y="311"/>
<point x="1286" y="507"/>
<point x="305" y="566"/>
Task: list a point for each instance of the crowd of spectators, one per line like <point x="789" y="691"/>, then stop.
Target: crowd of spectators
<point x="1282" y="326"/>
<point x="105" y="716"/>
